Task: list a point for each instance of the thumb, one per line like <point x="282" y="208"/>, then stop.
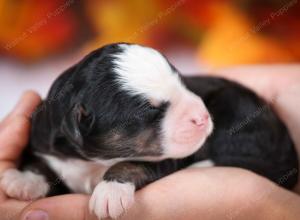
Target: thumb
<point x="25" y="107"/>
<point x="63" y="207"/>
<point x="27" y="104"/>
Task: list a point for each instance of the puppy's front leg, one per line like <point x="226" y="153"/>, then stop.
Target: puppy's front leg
<point x="115" y="194"/>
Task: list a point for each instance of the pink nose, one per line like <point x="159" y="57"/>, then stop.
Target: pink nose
<point x="200" y="120"/>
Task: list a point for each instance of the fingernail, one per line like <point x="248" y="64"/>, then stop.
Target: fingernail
<point x="36" y="215"/>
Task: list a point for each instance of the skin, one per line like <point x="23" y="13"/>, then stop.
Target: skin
<point x="209" y="193"/>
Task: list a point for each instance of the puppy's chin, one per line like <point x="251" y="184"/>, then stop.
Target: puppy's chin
<point x="185" y="143"/>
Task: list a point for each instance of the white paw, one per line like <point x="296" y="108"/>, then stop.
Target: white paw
<point x="111" y="199"/>
<point x="23" y="185"/>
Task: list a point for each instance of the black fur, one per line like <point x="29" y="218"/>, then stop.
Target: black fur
<point x="86" y="116"/>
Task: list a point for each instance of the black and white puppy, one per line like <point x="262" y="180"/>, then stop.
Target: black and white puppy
<point x="123" y="117"/>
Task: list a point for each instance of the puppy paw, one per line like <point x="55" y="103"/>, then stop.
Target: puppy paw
<point x="111" y="199"/>
<point x="23" y="185"/>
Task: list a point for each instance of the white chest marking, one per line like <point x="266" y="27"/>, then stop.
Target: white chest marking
<point x="203" y="164"/>
<point x="79" y="175"/>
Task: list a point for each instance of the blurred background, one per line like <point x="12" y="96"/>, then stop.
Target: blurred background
<point x="39" y="39"/>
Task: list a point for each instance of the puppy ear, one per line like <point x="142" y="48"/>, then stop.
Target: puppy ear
<point x="74" y="124"/>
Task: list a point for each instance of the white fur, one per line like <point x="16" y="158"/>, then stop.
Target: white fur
<point x="144" y="71"/>
<point x="23" y="185"/>
<point x="111" y="199"/>
<point x="79" y="175"/>
<point x="203" y="164"/>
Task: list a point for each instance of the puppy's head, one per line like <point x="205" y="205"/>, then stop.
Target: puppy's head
<point x="128" y="102"/>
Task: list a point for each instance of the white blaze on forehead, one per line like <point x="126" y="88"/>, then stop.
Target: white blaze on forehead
<point x="144" y="71"/>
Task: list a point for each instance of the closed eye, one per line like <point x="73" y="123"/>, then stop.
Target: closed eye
<point x="149" y="113"/>
<point x="157" y="112"/>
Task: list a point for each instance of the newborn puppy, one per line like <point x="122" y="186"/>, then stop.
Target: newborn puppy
<point x="123" y="117"/>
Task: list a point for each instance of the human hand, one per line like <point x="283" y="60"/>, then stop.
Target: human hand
<point x="214" y="193"/>
<point x="14" y="133"/>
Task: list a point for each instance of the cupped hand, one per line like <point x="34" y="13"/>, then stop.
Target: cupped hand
<point x="14" y="132"/>
<point x="195" y="193"/>
<point x="14" y="135"/>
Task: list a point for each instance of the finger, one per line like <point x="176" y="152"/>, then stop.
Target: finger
<point x="10" y="209"/>
<point x="26" y="105"/>
<point x="16" y="127"/>
<point x="13" y="138"/>
<point x="65" y="207"/>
